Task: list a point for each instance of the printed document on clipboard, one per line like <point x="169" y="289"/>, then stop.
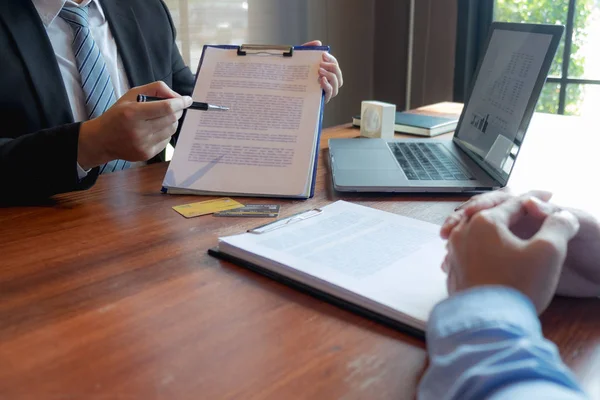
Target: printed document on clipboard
<point x="378" y="264"/>
<point x="267" y="143"/>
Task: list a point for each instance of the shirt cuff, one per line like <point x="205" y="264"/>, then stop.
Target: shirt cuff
<point x="82" y="173"/>
<point x="480" y="308"/>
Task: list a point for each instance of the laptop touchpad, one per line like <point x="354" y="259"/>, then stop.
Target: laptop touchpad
<point x="366" y="159"/>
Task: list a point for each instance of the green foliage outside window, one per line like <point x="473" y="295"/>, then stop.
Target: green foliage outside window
<point x="554" y="12"/>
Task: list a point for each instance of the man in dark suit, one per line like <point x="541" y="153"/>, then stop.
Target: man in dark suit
<point x="69" y="78"/>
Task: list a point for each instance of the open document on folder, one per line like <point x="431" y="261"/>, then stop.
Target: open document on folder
<point x="373" y="260"/>
<point x="266" y="144"/>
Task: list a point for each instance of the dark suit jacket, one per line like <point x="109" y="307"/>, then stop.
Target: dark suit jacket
<point x="38" y="139"/>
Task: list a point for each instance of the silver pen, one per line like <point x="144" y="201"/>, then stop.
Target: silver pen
<point x="196" y="105"/>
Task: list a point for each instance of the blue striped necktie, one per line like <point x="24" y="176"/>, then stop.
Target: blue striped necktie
<point x="95" y="79"/>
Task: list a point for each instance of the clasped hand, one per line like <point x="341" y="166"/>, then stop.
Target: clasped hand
<point x="525" y="243"/>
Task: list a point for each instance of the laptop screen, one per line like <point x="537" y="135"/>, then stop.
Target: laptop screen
<point x="507" y="86"/>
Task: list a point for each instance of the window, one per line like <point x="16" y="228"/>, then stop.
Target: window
<point x="573" y="85"/>
<point x="200" y="22"/>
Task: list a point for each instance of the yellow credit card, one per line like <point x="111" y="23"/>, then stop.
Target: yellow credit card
<point x="207" y="207"/>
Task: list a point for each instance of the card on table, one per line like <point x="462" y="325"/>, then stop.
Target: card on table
<point x="252" y="210"/>
<point x="207" y="207"/>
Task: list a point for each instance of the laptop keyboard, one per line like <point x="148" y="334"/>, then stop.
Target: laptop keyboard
<point x="427" y="162"/>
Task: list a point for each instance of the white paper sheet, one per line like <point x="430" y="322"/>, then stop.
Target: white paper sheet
<point x="265" y="143"/>
<point x="381" y="261"/>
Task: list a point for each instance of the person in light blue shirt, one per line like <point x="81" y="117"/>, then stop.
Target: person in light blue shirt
<point x="507" y="257"/>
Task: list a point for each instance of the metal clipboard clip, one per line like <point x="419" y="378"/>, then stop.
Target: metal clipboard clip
<point x="273" y="50"/>
<point x="286" y="221"/>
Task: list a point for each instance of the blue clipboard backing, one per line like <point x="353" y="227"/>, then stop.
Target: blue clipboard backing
<point x="317" y="150"/>
<point x="319" y="294"/>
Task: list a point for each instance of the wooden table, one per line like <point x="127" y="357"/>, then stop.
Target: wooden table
<point x="110" y="294"/>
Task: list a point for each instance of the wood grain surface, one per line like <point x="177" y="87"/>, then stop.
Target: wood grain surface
<point x="110" y="294"/>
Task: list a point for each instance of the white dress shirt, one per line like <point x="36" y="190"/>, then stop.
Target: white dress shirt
<point x="61" y="37"/>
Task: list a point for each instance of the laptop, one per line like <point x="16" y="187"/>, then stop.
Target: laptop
<point x="489" y="134"/>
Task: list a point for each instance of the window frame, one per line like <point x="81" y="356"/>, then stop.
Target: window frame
<point x="474" y="20"/>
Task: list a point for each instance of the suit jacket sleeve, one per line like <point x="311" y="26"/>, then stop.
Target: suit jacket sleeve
<point x="38" y="150"/>
<point x="183" y="83"/>
<point x="41" y="164"/>
<point x="183" y="79"/>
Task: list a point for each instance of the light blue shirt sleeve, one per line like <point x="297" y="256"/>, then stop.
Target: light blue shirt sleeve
<point x="487" y="343"/>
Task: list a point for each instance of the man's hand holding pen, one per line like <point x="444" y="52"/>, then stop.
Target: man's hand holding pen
<point x="132" y="130"/>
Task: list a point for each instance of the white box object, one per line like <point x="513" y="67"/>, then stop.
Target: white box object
<point x="377" y="119"/>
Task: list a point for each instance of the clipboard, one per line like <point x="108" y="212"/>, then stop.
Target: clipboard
<point x="283" y="222"/>
<point x="319" y="294"/>
<point x="307" y="289"/>
<point x="247" y="50"/>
